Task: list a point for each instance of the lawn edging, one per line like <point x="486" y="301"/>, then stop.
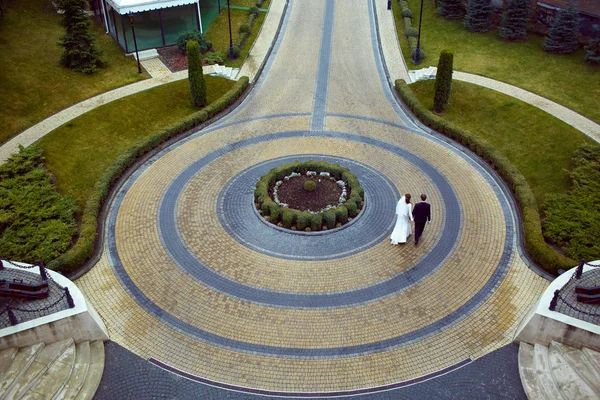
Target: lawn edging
<point x="535" y="245"/>
<point x="88" y="232"/>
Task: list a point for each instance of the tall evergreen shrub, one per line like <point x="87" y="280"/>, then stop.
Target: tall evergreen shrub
<point x="2" y="7"/>
<point x="564" y="32"/>
<point x="592" y="50"/>
<point x="515" y="20"/>
<point x="195" y="74"/>
<point x="443" y="81"/>
<point x="451" y="9"/>
<point x="80" y="51"/>
<point x="479" y="13"/>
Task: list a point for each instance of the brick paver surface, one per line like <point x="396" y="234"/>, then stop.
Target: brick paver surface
<point x="191" y="279"/>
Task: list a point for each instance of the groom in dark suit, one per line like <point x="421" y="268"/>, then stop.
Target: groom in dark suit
<point x="421" y="214"/>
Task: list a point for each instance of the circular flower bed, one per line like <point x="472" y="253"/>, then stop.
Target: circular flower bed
<point x="309" y="196"/>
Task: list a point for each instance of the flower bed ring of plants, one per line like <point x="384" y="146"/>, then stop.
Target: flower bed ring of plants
<point x="309" y="196"/>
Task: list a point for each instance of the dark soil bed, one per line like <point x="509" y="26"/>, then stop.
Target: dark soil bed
<point x="172" y="58"/>
<point x="292" y="192"/>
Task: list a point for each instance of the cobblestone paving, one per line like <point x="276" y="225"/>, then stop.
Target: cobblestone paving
<point x="192" y="280"/>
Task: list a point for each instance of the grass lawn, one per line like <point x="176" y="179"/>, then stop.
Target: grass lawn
<point x="81" y="150"/>
<point x="249" y="3"/>
<point x="32" y="84"/>
<point x="218" y="33"/>
<point x="538" y="144"/>
<point x="565" y="79"/>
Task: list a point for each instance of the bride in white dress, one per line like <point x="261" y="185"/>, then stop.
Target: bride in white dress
<point x="402" y="229"/>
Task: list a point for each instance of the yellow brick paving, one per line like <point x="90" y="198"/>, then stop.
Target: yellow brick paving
<point x="354" y="88"/>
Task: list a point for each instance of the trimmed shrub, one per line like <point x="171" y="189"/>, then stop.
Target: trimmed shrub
<point x="265" y="207"/>
<point x="84" y="247"/>
<point x="413" y="54"/>
<point x="275" y="212"/>
<point x="352" y="209"/>
<point x="411" y="32"/>
<point x="564" y="32"/>
<point x="451" y="9"/>
<point x="592" y="50"/>
<point x="407" y="13"/>
<point x="254" y="10"/>
<point x="36" y="222"/>
<point x="192" y="34"/>
<point x="288" y="218"/>
<point x="341" y="214"/>
<point x="244" y="28"/>
<point x="310" y="185"/>
<point x="443" y="81"/>
<point x="196" y="75"/>
<point x="316" y="222"/>
<point x="216" y="57"/>
<point x="479" y="13"/>
<point x="515" y="20"/>
<point x="80" y="51"/>
<point x="535" y="245"/>
<point x="329" y="218"/>
<point x="303" y="222"/>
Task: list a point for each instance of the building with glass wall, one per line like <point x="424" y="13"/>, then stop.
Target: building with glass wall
<point x="157" y="23"/>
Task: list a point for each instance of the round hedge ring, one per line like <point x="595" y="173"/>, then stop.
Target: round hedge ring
<point x="309" y="196"/>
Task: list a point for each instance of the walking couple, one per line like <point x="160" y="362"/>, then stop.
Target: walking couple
<point x="404" y="214"/>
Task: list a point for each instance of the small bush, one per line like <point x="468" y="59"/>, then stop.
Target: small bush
<point x="215" y="57"/>
<point x="288" y="218"/>
<point x="412" y="32"/>
<point x="275" y="213"/>
<point x="192" y="34"/>
<point x="244" y="28"/>
<point x="310" y="185"/>
<point x="329" y="218"/>
<point x="352" y="209"/>
<point x="407" y="13"/>
<point x="303" y="221"/>
<point x="341" y="214"/>
<point x="316" y="222"/>
<point x="254" y="10"/>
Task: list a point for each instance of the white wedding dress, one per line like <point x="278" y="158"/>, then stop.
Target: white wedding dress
<point x="402" y="229"/>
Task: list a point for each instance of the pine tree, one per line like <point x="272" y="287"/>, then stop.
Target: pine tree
<point x="443" y="81"/>
<point x="80" y="52"/>
<point x="515" y="20"/>
<point x="592" y="50"/>
<point x="195" y="74"/>
<point x="451" y="9"/>
<point x="478" y="18"/>
<point x="564" y="32"/>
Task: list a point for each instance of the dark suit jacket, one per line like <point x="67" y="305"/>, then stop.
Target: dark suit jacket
<point x="422" y="212"/>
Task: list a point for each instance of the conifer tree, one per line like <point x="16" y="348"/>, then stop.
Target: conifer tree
<point x="515" y="20"/>
<point x="451" y="9"/>
<point x="592" y="50"/>
<point x="564" y="32"/>
<point x="478" y="18"/>
<point x="80" y="52"/>
<point x="443" y="81"/>
<point x="195" y="74"/>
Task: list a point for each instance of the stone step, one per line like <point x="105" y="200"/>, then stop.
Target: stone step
<point x="55" y="376"/>
<point x="21" y="362"/>
<point x="227" y="72"/>
<point x="208" y="69"/>
<point x="593" y="357"/>
<point x="568" y="381"/>
<point x="146" y="54"/>
<point x="218" y="69"/>
<point x="234" y="73"/>
<point x="94" y="375"/>
<point x="543" y="373"/>
<point x="527" y="373"/>
<point x="580" y="364"/>
<point x="44" y="360"/>
<point x="80" y="370"/>
<point x="6" y="358"/>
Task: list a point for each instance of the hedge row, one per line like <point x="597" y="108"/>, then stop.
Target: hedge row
<point x="535" y="244"/>
<point x="304" y="219"/>
<point x="245" y="30"/>
<point x="84" y="247"/>
<point x="410" y="32"/>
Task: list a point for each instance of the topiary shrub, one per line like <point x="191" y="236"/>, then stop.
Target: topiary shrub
<point x="407" y="13"/>
<point x="316" y="222"/>
<point x="564" y="32"/>
<point x="253" y="10"/>
<point x="341" y="214"/>
<point x="288" y="218"/>
<point x="443" y="81"/>
<point x="515" y="20"/>
<point x="479" y="13"/>
<point x="411" y="32"/>
<point x="214" y="57"/>
<point x="352" y="209"/>
<point x="303" y="222"/>
<point x="196" y="75"/>
<point x="329" y="218"/>
<point x="310" y="186"/>
<point x="244" y="28"/>
<point x="275" y="213"/>
<point x="192" y="34"/>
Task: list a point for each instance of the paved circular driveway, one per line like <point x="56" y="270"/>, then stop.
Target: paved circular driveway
<point x="193" y="281"/>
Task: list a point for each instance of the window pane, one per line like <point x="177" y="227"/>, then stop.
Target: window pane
<point x="178" y="19"/>
<point x="209" y="9"/>
<point x="147" y="31"/>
